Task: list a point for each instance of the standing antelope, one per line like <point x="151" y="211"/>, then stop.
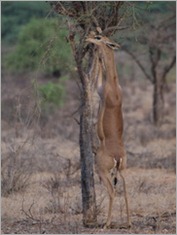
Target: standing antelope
<point x="110" y="153"/>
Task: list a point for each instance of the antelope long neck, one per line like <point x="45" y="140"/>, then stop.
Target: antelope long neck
<point x="109" y="64"/>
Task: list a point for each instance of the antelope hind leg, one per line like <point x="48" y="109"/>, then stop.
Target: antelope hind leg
<point x="128" y="225"/>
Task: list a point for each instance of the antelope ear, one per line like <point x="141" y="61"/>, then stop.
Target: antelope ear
<point x="112" y="45"/>
<point x="99" y="30"/>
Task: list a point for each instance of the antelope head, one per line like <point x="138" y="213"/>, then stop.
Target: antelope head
<point x="100" y="40"/>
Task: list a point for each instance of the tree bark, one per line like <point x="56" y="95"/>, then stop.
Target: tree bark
<point x="158" y="102"/>
<point x="86" y="154"/>
<point x="87" y="162"/>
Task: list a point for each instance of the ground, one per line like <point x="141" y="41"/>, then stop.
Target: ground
<point x="44" y="158"/>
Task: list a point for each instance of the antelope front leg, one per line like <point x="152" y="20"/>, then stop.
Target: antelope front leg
<point x="111" y="200"/>
<point x="106" y="179"/>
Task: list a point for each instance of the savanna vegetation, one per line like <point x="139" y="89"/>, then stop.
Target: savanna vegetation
<point x="40" y="110"/>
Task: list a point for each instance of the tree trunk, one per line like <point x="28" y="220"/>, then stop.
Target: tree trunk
<point x="86" y="156"/>
<point x="158" y="102"/>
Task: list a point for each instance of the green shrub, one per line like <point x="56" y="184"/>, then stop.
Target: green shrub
<point x="41" y="46"/>
<point x="52" y="94"/>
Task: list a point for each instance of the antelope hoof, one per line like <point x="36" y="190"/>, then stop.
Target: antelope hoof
<point x="125" y="226"/>
<point x="106" y="226"/>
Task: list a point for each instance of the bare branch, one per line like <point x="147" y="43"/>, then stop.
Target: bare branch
<point x="139" y="64"/>
<point x="71" y="38"/>
<point x="114" y="28"/>
<point x="169" y="67"/>
<point x="59" y="8"/>
<point x="154" y="55"/>
<point x="167" y="22"/>
<point x="29" y="213"/>
<point x="95" y="20"/>
<point x="77" y="121"/>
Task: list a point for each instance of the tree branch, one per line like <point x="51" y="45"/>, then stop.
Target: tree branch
<point x="139" y="64"/>
<point x="114" y="28"/>
<point x="154" y="55"/>
<point x="169" y="67"/>
<point x="59" y="8"/>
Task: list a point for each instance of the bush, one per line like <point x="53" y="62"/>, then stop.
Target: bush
<point x="52" y="93"/>
<point x="41" y="46"/>
<point x="15" y="174"/>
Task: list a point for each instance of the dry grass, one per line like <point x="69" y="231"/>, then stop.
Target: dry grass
<point x="151" y="199"/>
<point x="51" y="201"/>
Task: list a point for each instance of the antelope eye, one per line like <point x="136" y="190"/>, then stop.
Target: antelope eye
<point x="112" y="45"/>
<point x="97" y="37"/>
